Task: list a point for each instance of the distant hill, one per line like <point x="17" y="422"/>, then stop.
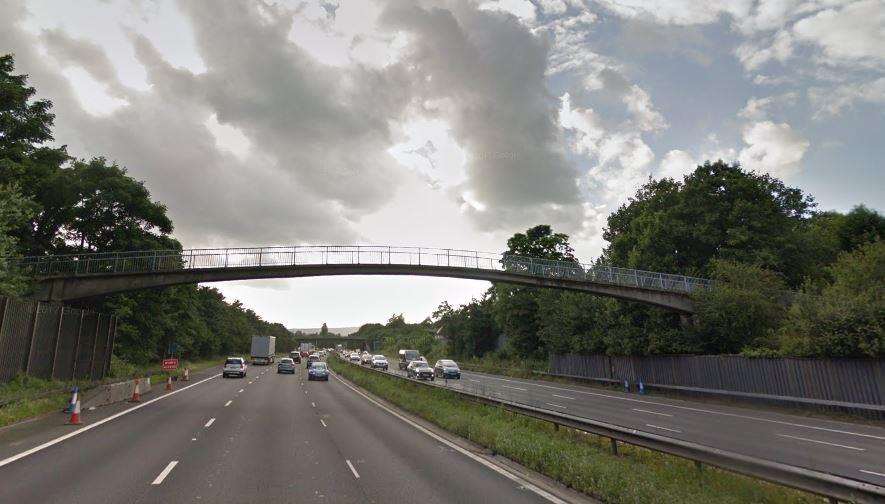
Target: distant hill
<point x="342" y="331"/>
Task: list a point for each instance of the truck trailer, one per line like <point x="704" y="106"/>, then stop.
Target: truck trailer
<point x="263" y="350"/>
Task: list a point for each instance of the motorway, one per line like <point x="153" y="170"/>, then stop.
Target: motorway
<point x="268" y="437"/>
<point x="852" y="450"/>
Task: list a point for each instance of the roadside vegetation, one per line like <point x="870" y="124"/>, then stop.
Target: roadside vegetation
<point x="27" y="397"/>
<point x="576" y="459"/>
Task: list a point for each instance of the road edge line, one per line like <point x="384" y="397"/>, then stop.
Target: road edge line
<point x="91" y="426"/>
<point x="498" y="468"/>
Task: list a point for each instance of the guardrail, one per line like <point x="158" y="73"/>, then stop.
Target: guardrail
<point x="836" y="488"/>
<point x="173" y="260"/>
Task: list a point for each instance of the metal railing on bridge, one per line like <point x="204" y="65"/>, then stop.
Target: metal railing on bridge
<point x="173" y="260"/>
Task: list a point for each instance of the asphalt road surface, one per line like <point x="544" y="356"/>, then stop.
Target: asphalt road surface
<point x="267" y="438"/>
<point x="855" y="451"/>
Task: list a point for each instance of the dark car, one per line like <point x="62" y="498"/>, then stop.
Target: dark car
<point x="407" y="356"/>
<point x="420" y="370"/>
<point x="286" y="366"/>
<point x="295" y="356"/>
<point x="446" y="368"/>
<point x="318" y="371"/>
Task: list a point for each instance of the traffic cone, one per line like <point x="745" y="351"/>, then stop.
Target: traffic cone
<point x="186" y="373"/>
<point x="74" y="394"/>
<point x="136" y="393"/>
<point x="75" y="415"/>
<point x="641" y="388"/>
<point x="169" y="383"/>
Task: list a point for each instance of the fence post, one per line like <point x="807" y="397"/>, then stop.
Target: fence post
<point x="112" y="335"/>
<point x="94" y="347"/>
<point x="61" y="314"/>
<point x="31" y="340"/>
<point x="77" y="346"/>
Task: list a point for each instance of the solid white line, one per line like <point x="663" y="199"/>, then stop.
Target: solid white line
<point x="564" y="397"/>
<point x="313" y="404"/>
<point x="872" y="472"/>
<point x="228" y="403"/>
<point x="193" y="439"/>
<point x="165" y="472"/>
<point x="514" y="388"/>
<point x="494" y="467"/>
<point x="322" y="422"/>
<point x="663" y="428"/>
<point x="209" y="423"/>
<point x="697" y="410"/>
<point x="822" y="442"/>
<point x="652" y="412"/>
<point x="353" y="470"/>
<point x="96" y="424"/>
<point x="556" y="405"/>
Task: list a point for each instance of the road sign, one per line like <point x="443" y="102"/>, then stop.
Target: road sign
<point x="170" y="364"/>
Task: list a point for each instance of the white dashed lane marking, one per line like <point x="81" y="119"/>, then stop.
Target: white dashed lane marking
<point x="227" y="403"/>
<point x="209" y="423"/>
<point x="353" y="470"/>
<point x="663" y="428"/>
<point x="652" y="412"/>
<point x="165" y="472"/>
<point x="564" y="397"/>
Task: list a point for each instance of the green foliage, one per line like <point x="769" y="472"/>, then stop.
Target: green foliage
<point x="14" y="210"/>
<point x="745" y="308"/>
<point x="844" y="315"/>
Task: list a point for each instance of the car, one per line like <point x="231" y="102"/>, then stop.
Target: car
<point x="379" y="362"/>
<point x="318" y="371"/>
<point x="312" y="359"/>
<point x="407" y="356"/>
<point x="234" y="366"/>
<point x="295" y="355"/>
<point x="354" y="357"/>
<point x="419" y="370"/>
<point x="286" y="365"/>
<point x="446" y="368"/>
<point x="366" y="358"/>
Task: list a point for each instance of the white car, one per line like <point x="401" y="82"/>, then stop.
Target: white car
<point x="366" y="358"/>
<point x="354" y="357"/>
<point x="234" y="366"/>
<point x="379" y="362"/>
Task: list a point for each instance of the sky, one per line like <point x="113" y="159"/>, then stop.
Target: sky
<point x="449" y="123"/>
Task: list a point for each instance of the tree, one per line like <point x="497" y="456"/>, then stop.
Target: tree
<point x="14" y="210"/>
<point x="324" y="331"/>
<point x="843" y="315"/>
<point x="719" y="211"/>
<point x="742" y="311"/>
<point x="541" y="242"/>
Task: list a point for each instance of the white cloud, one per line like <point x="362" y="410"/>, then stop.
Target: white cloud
<point x="522" y="9"/>
<point x="759" y="108"/>
<point x="679" y="12"/>
<point x="772" y="148"/>
<point x="830" y="102"/>
<point x="853" y="33"/>
<point x="755" y="54"/>
<point x="676" y="164"/>
<point x="641" y="108"/>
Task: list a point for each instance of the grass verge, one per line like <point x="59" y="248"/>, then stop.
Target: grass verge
<point x="26" y="397"/>
<point x="576" y="459"/>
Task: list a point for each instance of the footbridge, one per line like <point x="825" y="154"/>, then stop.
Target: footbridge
<point x="79" y="276"/>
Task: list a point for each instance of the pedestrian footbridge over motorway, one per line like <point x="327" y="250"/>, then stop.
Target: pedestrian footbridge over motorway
<point x="79" y="276"/>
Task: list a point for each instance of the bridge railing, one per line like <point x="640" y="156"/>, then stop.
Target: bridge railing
<point x="172" y="260"/>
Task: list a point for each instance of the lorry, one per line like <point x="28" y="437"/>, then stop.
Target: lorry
<point x="407" y="356"/>
<point x="306" y="348"/>
<point x="263" y="350"/>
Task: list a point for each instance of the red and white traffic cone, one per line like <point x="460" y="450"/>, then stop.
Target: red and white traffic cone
<point x="136" y="393"/>
<point x="169" y="383"/>
<point x="74" y="393"/>
<point x="186" y="373"/>
<point x="75" y="415"/>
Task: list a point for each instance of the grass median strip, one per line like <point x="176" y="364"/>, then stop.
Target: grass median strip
<point x="574" y="458"/>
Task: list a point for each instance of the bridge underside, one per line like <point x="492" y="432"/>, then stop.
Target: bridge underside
<point x="87" y="286"/>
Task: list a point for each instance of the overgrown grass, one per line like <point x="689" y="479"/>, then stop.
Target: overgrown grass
<point x="576" y="459"/>
<point x="26" y="397"/>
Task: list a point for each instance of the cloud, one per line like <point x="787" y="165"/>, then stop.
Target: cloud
<point x="759" y="108"/>
<point x="772" y="148"/>
<point x="679" y="12"/>
<point x="754" y="54"/>
<point x="676" y="164"/>
<point x="483" y="73"/>
<point x="829" y="102"/>
<point x="854" y="33"/>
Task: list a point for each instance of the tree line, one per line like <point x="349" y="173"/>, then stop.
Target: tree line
<point x="790" y="280"/>
<point x="54" y="203"/>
